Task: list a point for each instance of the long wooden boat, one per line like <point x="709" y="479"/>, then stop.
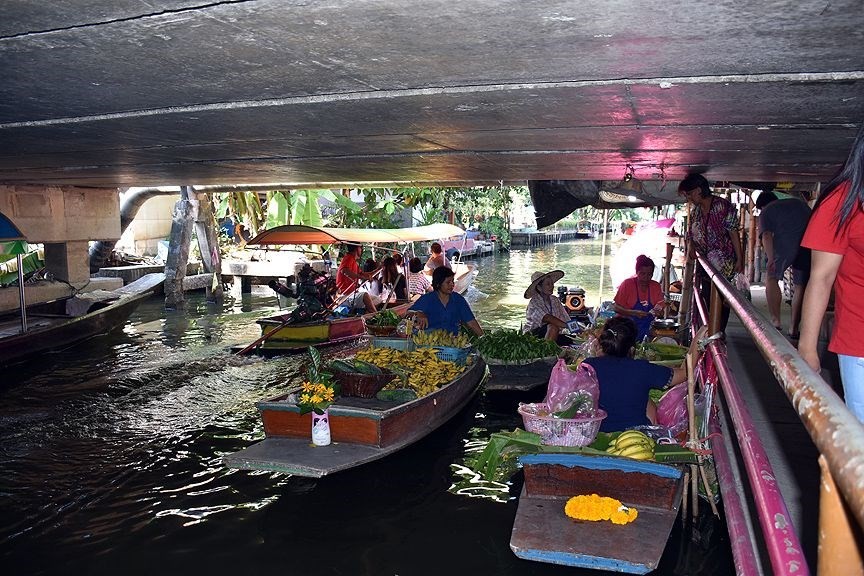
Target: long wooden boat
<point x="288" y="338"/>
<point x="464" y="275"/>
<point x="362" y="429"/>
<point x="63" y="322"/>
<point x="543" y="532"/>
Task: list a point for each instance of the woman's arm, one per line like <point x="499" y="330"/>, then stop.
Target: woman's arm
<point x="678" y="375"/>
<point x="736" y="245"/>
<point x="553" y="320"/>
<point x="421" y="321"/>
<point x="629" y="311"/>
<point x="475" y="327"/>
<point x="823" y="271"/>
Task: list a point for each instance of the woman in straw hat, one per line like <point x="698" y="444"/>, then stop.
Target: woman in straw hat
<point x="545" y="315"/>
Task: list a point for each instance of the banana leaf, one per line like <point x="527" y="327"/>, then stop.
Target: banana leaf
<point x="30" y="263"/>
<point x="503" y="447"/>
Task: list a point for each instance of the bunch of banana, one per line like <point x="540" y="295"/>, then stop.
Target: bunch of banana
<point x="423" y="371"/>
<point x="441" y="338"/>
<point x="633" y="444"/>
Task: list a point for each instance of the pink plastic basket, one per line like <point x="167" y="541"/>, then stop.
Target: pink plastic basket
<point x="560" y="431"/>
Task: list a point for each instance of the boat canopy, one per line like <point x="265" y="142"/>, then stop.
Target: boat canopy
<point x="296" y="234"/>
<point x="8" y="231"/>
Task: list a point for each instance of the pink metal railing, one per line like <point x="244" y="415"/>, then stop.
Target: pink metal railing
<point x="781" y="541"/>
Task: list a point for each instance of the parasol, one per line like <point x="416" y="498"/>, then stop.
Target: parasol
<point x="10" y="233"/>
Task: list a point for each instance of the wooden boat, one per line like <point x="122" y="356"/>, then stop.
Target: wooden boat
<point x="362" y="429"/>
<point x="280" y="336"/>
<point x="63" y="322"/>
<point x="289" y="338"/>
<point x="463" y="278"/>
<point x="519" y="377"/>
<point x="543" y="532"/>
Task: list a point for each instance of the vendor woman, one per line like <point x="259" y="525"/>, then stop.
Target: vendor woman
<point x="625" y="381"/>
<point x="640" y="298"/>
<point x="546" y="315"/>
<point x="443" y="309"/>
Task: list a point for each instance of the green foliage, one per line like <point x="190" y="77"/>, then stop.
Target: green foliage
<point x="385" y="318"/>
<point x="504" y="447"/>
<point x="512" y="345"/>
<point x="496" y="225"/>
<point x="278" y="208"/>
<point x="30" y="262"/>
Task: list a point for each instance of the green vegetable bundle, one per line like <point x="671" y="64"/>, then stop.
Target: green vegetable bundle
<point x="511" y="345"/>
<point x="384" y="318"/>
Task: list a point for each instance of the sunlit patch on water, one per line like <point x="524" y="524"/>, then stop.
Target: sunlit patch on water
<point x="472" y="484"/>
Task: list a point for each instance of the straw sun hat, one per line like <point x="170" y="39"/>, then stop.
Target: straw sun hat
<point x="538" y="277"/>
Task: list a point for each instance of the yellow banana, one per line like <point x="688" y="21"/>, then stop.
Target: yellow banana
<point x="642" y="456"/>
<point x="636" y="450"/>
<point x="631" y="441"/>
<point x="631" y="434"/>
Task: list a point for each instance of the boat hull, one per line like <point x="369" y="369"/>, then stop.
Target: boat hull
<point x="297" y="337"/>
<point x="362" y="429"/>
<point x="519" y="377"/>
<point x="543" y="532"/>
<point x="51" y="328"/>
<point x="464" y="275"/>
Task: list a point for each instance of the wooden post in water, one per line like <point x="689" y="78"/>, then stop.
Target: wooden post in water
<point x="185" y="213"/>
<point x="208" y="245"/>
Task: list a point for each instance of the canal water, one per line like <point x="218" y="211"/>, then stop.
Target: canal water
<point x="110" y="459"/>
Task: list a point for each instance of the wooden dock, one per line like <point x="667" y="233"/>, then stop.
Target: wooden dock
<point x="541" y="238"/>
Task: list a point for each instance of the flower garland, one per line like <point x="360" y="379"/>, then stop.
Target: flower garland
<point x="594" y="507"/>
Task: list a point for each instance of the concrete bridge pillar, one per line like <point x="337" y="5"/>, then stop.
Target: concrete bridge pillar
<point x="68" y="261"/>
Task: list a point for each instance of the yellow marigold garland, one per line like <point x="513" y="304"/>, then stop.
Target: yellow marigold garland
<point x="595" y="507"/>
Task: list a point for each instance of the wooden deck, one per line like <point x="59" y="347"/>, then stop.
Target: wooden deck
<point x="544" y="533"/>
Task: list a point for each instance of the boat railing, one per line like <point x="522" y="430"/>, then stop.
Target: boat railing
<point x="836" y="433"/>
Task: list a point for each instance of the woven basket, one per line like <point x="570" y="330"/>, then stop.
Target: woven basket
<point x="450" y="354"/>
<point x="405" y="344"/>
<point x="362" y="385"/>
<point x="561" y="431"/>
<point x="379" y="330"/>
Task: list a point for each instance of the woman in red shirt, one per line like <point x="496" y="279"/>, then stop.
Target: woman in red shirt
<point x="835" y="234"/>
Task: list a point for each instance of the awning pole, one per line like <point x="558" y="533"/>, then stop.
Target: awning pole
<point x="603" y="255"/>
<point x="20" y="259"/>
